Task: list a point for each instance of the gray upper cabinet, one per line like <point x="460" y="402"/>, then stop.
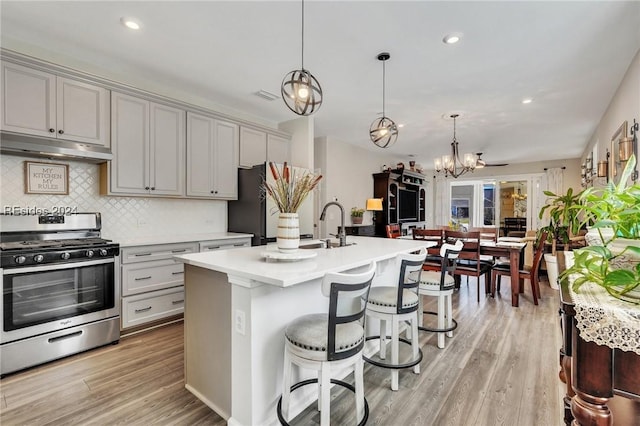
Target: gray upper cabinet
<point x="212" y="157"/>
<point x="253" y="147"/>
<point x="43" y="104"/>
<point x="278" y="149"/>
<point x="148" y="148"/>
<point x="257" y="146"/>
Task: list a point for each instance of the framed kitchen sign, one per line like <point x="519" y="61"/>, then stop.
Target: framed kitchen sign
<point x="46" y="178"/>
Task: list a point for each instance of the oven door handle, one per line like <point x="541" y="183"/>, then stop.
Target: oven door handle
<point x="46" y="268"/>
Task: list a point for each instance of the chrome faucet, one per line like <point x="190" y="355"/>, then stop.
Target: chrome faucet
<point x="342" y="235"/>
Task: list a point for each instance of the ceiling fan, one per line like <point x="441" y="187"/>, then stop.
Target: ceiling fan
<point x="480" y="163"/>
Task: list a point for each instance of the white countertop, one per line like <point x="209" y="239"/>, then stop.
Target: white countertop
<point x="185" y="238"/>
<point x="249" y="263"/>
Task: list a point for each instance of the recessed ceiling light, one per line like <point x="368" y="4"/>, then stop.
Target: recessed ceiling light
<point x="527" y="100"/>
<point x="400" y="125"/>
<point x="131" y="23"/>
<point x="452" y="38"/>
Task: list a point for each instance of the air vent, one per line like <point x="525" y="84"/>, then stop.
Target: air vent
<point x="267" y="95"/>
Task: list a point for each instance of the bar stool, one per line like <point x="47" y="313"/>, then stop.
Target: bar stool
<point x="440" y="284"/>
<point x="333" y="341"/>
<point x="396" y="304"/>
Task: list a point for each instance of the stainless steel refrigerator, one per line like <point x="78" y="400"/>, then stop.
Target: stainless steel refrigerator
<point x="254" y="214"/>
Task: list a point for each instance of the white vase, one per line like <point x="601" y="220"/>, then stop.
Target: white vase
<point x="288" y="236"/>
<point x="552" y="270"/>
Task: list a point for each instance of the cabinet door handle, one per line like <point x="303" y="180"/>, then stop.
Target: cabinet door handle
<point x="212" y="192"/>
<point x="178" y="251"/>
<point x="142" y="254"/>
<point x="61" y="131"/>
<point x="177" y="302"/>
<point x="143" y="278"/>
<point x="52" y="130"/>
<point x="148" y="308"/>
<point x="153" y="188"/>
<point x="177" y="273"/>
<point x="146" y="187"/>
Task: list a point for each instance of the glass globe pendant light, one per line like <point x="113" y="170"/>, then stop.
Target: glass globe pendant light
<point x="300" y="90"/>
<point x="383" y="131"/>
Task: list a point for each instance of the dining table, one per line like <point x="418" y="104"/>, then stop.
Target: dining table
<point x="511" y="248"/>
<point x="505" y="247"/>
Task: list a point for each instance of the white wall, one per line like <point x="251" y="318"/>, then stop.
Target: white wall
<point x="301" y="130"/>
<point x="347" y="171"/>
<point x="122" y="217"/>
<point x="625" y="105"/>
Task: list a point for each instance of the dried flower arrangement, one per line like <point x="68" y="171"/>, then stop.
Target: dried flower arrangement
<point x="290" y="188"/>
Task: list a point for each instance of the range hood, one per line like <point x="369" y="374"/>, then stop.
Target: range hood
<point x="36" y="146"/>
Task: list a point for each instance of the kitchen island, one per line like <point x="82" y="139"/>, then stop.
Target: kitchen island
<point x="237" y="305"/>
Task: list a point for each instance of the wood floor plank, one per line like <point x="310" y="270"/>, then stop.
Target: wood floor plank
<point x="499" y="368"/>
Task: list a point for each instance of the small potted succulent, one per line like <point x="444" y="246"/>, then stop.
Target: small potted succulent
<point x="356" y="215"/>
<point x="612" y="259"/>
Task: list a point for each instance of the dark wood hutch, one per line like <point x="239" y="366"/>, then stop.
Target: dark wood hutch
<point x="403" y="196"/>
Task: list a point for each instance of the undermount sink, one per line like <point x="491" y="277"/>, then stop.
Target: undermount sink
<point x="322" y="244"/>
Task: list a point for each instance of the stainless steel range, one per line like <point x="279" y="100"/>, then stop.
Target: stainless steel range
<point x="60" y="293"/>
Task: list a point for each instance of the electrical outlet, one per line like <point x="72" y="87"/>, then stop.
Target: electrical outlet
<point x="240" y="321"/>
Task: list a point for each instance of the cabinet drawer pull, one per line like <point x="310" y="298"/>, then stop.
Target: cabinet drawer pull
<point x="148" y="308"/>
<point x="239" y="245"/>
<point x="177" y="273"/>
<point x="142" y="254"/>
<point x="178" y="251"/>
<point x="143" y="278"/>
<point x="213" y="248"/>
<point x="177" y="302"/>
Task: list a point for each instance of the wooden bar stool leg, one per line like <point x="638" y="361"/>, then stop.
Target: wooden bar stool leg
<point x="449" y="315"/>
<point x="441" y="321"/>
<point x="383" y="339"/>
<point x="359" y="379"/>
<point x="394" y="354"/>
<point x="286" y="386"/>
<point x="415" y="344"/>
<point x="325" y="378"/>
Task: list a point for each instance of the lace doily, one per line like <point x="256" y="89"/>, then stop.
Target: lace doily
<point x="605" y="320"/>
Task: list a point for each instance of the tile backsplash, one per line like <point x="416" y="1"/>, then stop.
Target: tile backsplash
<point x="122" y="217"/>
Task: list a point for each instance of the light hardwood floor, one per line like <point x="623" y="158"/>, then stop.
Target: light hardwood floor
<point x="500" y="368"/>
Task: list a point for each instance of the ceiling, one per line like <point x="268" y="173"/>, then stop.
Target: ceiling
<point x="569" y="57"/>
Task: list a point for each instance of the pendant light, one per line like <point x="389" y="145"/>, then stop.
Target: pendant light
<point x="300" y="90"/>
<point x="383" y="130"/>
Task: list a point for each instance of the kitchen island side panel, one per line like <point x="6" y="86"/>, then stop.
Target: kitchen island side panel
<point x="207" y="335"/>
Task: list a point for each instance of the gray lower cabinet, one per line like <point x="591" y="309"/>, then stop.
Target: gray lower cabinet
<point x="153" y="281"/>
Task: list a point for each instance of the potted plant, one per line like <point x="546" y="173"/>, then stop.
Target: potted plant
<point x="288" y="191"/>
<point x="612" y="259"/>
<point x="356" y="215"/>
<point x="563" y="223"/>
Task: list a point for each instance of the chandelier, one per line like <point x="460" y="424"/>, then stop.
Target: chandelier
<point x="451" y="165"/>
<point x="300" y="90"/>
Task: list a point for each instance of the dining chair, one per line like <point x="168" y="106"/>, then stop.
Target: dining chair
<point x="393" y="230"/>
<point x="330" y="342"/>
<point x="527" y="272"/>
<point x="469" y="262"/>
<point x="434" y="260"/>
